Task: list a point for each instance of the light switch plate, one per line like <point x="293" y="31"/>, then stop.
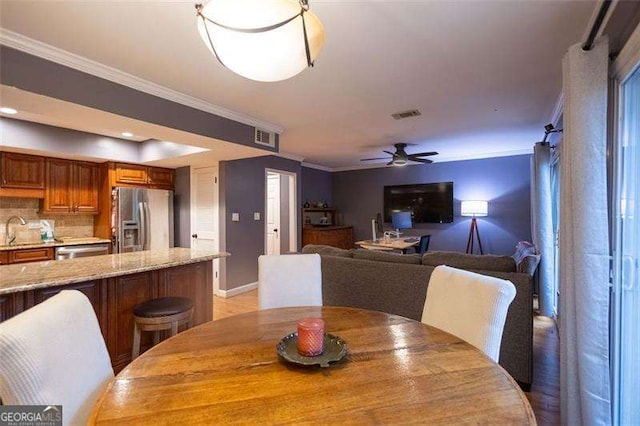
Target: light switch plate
<point x="34" y="224"/>
<point x="235" y="217"/>
<point x="256" y="215"/>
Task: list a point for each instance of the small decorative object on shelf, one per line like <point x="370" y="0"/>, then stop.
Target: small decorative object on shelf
<point x="310" y="336"/>
<point x="325" y="205"/>
<point x="319" y="204"/>
<point x="307" y="220"/>
<point x="306" y="205"/>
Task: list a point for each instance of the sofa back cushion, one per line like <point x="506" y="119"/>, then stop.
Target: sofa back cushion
<point x="381" y="256"/>
<point x="393" y="288"/>
<point x="484" y="262"/>
<point x="326" y="250"/>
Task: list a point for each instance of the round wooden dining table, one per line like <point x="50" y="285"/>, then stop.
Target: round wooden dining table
<point x="397" y="371"/>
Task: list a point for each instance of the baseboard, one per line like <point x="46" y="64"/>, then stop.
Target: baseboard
<point x="238" y="290"/>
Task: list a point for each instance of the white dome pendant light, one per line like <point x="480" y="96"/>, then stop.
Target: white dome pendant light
<point x="263" y="40"/>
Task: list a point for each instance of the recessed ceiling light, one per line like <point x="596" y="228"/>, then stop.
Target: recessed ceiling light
<point x="127" y="134"/>
<point x="7" y="110"/>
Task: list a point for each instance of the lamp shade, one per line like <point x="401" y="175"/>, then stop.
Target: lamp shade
<point x="474" y="208"/>
<point x="246" y="37"/>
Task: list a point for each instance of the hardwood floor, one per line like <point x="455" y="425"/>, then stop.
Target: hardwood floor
<point x="545" y="390"/>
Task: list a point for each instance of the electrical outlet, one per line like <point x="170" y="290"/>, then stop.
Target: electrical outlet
<point x="256" y="215"/>
<point x="34" y="224"/>
<point x="235" y="217"/>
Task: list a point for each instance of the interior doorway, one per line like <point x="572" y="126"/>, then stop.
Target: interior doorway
<point x="205" y="233"/>
<point x="281" y="219"/>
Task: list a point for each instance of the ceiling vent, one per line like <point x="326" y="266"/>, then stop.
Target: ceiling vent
<point x="265" y="138"/>
<point x="406" y="114"/>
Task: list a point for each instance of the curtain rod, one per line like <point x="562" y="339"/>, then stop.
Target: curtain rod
<point x="588" y="44"/>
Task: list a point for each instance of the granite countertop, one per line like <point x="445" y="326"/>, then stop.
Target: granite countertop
<point x="50" y="273"/>
<point x="57" y="243"/>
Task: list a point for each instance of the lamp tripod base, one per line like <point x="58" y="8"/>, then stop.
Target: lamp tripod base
<point x="473" y="232"/>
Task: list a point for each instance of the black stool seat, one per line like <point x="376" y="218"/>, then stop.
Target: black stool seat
<point x="162" y="307"/>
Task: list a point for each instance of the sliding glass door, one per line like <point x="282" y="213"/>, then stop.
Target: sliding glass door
<point x="626" y="308"/>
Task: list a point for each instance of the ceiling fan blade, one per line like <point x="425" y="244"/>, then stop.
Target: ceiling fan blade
<point x="372" y="159"/>
<point x="421" y="160"/>
<point x="393" y="154"/>
<point x="423" y="154"/>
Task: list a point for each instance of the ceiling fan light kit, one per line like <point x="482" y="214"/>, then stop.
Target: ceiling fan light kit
<point x="262" y="40"/>
<point x="401" y="158"/>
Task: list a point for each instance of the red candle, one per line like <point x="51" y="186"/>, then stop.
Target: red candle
<point x="310" y="336"/>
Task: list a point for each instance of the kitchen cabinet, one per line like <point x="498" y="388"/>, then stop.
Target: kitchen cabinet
<point x="4" y="257"/>
<point x="30" y="255"/>
<point x="71" y="186"/>
<point x="21" y="175"/>
<point x="160" y="178"/>
<point x="135" y="175"/>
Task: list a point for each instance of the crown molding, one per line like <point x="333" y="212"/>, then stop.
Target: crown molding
<point x="288" y="156"/>
<point x="316" y="166"/>
<point x="453" y="158"/>
<point x="45" y="51"/>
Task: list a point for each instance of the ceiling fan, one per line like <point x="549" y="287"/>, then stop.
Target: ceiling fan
<point x="401" y="158"/>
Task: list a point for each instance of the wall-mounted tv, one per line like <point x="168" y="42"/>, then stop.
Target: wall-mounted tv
<point x="428" y="202"/>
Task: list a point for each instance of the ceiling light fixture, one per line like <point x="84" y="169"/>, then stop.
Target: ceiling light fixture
<point x="7" y="110"/>
<point x="127" y="134"/>
<point x="261" y="40"/>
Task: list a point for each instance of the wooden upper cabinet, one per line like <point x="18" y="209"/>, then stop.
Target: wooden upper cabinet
<point x="58" y="190"/>
<point x="160" y="177"/>
<point x="72" y="187"/>
<point x="131" y="174"/>
<point x="135" y="175"/>
<point x="86" y="187"/>
<point x="22" y="171"/>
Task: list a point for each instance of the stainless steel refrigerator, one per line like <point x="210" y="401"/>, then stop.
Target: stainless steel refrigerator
<point x="141" y="219"/>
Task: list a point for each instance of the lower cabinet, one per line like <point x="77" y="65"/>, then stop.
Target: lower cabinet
<point x="113" y="300"/>
<point x="335" y="236"/>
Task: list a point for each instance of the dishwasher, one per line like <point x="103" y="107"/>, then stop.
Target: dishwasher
<point x="72" y="252"/>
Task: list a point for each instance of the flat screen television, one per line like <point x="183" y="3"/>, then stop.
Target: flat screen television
<point x="428" y="202"/>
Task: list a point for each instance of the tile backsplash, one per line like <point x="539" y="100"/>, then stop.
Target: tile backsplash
<point x="69" y="225"/>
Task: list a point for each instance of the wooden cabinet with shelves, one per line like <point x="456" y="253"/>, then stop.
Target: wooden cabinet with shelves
<point x="21" y="175"/>
<point x="124" y="174"/>
<point x="71" y="186"/>
<point x="30" y="255"/>
<point x="335" y="236"/>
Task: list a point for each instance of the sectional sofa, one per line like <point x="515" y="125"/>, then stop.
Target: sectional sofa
<point x="397" y="284"/>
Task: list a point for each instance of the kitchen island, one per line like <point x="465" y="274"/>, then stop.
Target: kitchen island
<point x="114" y="284"/>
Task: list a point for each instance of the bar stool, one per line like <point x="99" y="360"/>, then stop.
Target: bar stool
<point x="164" y="313"/>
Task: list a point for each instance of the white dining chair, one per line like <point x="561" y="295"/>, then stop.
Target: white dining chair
<point x="54" y="354"/>
<point x="470" y="306"/>
<point x="289" y="280"/>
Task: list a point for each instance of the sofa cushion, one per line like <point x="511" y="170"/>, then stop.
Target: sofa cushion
<point x="484" y="262"/>
<point x="380" y="256"/>
<point x="326" y="250"/>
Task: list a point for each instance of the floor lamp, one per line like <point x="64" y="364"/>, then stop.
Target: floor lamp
<point x="474" y="209"/>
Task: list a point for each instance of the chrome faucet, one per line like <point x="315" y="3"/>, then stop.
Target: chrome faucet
<point x="11" y="239"/>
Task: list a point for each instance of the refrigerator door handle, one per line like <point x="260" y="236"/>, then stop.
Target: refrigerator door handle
<point x="147" y="230"/>
<point x="142" y="225"/>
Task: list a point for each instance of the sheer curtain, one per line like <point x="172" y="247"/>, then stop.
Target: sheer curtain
<point x="542" y="225"/>
<point x="584" y="248"/>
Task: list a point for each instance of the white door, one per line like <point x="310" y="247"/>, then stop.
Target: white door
<point x="273" y="213"/>
<point x="204" y="217"/>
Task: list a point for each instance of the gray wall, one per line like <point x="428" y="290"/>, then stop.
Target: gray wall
<point x="182" y="207"/>
<point x="316" y="186"/>
<point x="37" y="75"/>
<point x="504" y="182"/>
<point x="242" y="190"/>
